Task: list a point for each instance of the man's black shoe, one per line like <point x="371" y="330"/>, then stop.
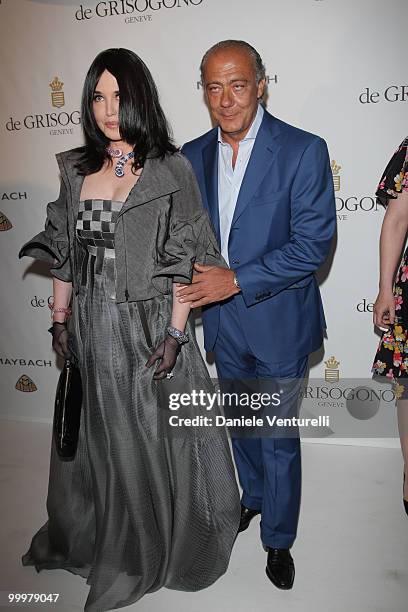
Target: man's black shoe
<point x="246" y="517"/>
<point x="280" y="568"/>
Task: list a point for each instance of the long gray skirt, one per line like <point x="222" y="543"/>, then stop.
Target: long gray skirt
<point x="140" y="507"/>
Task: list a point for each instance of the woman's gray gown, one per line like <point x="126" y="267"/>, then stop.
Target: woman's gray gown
<point x="140" y="506"/>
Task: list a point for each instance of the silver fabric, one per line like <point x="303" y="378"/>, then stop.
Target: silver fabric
<point x="108" y="253"/>
<point x="139" y="507"/>
<point x="162" y="228"/>
<point x="95" y="225"/>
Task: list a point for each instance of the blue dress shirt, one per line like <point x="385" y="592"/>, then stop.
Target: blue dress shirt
<point x="230" y="179"/>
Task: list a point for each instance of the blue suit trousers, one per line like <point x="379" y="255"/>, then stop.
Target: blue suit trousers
<point x="269" y="468"/>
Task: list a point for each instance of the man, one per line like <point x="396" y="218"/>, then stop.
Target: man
<point x="269" y="191"/>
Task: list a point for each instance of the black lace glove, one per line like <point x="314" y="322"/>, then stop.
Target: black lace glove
<point x="167" y="351"/>
<point x="60" y="338"/>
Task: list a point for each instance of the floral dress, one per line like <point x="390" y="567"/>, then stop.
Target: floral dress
<point x="391" y="359"/>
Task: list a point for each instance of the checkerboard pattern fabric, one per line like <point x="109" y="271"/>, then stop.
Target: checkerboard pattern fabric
<point x="96" y="222"/>
<point x="95" y="230"/>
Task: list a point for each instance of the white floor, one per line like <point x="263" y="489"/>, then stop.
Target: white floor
<point x="351" y="554"/>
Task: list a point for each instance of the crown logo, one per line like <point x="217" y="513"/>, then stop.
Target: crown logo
<point x="56" y="84"/>
<point x="25" y="384"/>
<point x="331" y="373"/>
<point x="336" y="176"/>
<point x="57" y="95"/>
<point x="5" y="224"/>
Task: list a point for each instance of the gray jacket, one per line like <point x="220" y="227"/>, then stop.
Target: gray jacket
<point x="161" y="231"/>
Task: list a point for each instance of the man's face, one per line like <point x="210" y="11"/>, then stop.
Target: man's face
<point x="232" y="91"/>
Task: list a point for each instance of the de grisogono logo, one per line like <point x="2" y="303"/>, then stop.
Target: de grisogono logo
<point x="40" y="302"/>
<point x="392" y="93"/>
<point x="335" y="168"/>
<point x="57" y="94"/>
<point x="350" y="204"/>
<point x="61" y="123"/>
<point x="359" y="397"/>
<point x="134" y="11"/>
<point x="365" y="306"/>
<point x="332" y="372"/>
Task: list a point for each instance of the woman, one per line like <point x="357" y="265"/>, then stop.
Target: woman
<point x="391" y="305"/>
<point x="135" y="510"/>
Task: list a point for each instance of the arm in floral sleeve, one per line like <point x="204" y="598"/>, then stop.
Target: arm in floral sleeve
<point x="393" y="232"/>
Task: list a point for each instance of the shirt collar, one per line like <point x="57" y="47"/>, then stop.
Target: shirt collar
<point x="253" y="130"/>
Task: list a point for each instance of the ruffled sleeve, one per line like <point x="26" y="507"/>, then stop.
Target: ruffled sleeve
<point x="52" y="244"/>
<point x="395" y="177"/>
<point x="185" y="235"/>
<point x="184" y="243"/>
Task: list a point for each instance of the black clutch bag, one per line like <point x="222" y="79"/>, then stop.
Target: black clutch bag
<point x="67" y="411"/>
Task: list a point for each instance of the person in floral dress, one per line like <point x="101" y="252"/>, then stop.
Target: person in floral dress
<point x="391" y="305"/>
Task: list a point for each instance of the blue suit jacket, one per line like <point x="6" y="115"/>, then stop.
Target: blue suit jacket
<point x="281" y="233"/>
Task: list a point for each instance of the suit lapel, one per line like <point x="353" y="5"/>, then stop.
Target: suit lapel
<point x="210" y="165"/>
<point x="266" y="147"/>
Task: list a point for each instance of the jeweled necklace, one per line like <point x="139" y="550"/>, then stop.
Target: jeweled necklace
<point x="122" y="160"/>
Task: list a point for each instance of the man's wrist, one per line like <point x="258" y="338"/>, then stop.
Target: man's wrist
<point x="236" y="283"/>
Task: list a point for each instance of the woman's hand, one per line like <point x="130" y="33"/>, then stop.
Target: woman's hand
<point x="60" y="337"/>
<point x="384" y="310"/>
<point x="167" y="351"/>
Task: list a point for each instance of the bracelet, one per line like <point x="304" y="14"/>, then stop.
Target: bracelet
<point x="178" y="335"/>
<point x="66" y="311"/>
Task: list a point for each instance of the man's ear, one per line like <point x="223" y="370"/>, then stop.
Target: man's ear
<point x="261" y="88"/>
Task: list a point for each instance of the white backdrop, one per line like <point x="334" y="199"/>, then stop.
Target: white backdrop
<point x="335" y="68"/>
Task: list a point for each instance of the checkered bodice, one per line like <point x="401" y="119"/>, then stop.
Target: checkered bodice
<point x="95" y="225"/>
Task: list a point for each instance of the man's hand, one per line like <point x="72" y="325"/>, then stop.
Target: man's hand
<point x="212" y="284"/>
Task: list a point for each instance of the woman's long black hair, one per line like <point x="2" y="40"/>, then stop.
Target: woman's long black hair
<point x="142" y="122"/>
